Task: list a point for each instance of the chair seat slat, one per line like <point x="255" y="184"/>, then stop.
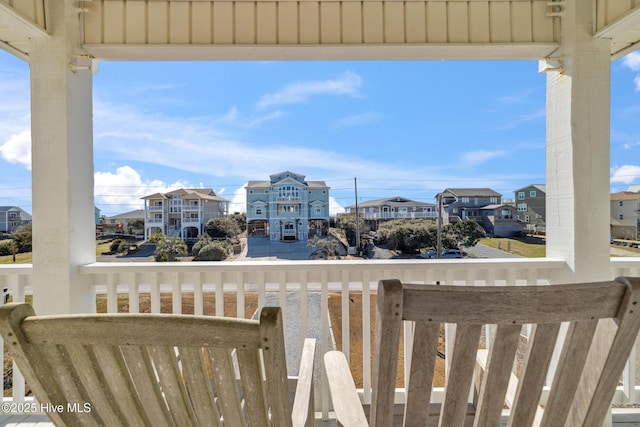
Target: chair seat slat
<point x="542" y="342"/>
<point x="198" y="385"/>
<point x="420" y="381"/>
<point x="143" y="376"/>
<point x="459" y="378"/>
<point x="496" y="380"/>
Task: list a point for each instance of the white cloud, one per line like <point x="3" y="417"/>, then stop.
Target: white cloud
<point x="632" y="61"/>
<point x="474" y="158"/>
<point x="525" y="118"/>
<point x="123" y="189"/>
<point x="239" y="200"/>
<point x="335" y="207"/>
<point x="630" y="145"/>
<point x="300" y="92"/>
<point x="17" y="149"/>
<point x="625" y="174"/>
<point x="358" y="120"/>
<point x="636" y="81"/>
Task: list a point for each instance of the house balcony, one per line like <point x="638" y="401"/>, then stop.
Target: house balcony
<point x="155" y="208"/>
<point x="399" y="215"/>
<point x="303" y="290"/>
<point x="288" y="199"/>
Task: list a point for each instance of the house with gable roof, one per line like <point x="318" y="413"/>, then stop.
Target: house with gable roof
<point x="484" y="205"/>
<point x="182" y="213"/>
<point x="287" y="207"/>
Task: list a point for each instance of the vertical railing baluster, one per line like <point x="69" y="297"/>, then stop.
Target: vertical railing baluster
<point x="304" y="309"/>
<point x="156" y="297"/>
<point x="134" y="294"/>
<point x="112" y="293"/>
<point x="366" y="335"/>
<point x="219" y="290"/>
<point x="240" y="282"/>
<point x="176" y="293"/>
<point x="324" y="339"/>
<point x="198" y="297"/>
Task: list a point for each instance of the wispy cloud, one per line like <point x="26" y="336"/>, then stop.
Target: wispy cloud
<point x="522" y="119"/>
<point x="519" y="98"/>
<point x="358" y="120"/>
<point x="474" y="158"/>
<point x="300" y="92"/>
<point x="626" y="174"/>
<point x="630" y="145"/>
<point x="632" y="61"/>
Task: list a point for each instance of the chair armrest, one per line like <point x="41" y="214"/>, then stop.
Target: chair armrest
<point x="344" y="395"/>
<point x="303" y="412"/>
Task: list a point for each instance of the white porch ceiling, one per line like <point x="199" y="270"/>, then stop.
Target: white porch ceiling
<point x="318" y="29"/>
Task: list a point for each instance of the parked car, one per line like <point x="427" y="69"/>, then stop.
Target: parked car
<point x="429" y="255"/>
<point x="449" y="253"/>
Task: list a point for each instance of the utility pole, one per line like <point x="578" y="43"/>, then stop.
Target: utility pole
<point x="355" y="186"/>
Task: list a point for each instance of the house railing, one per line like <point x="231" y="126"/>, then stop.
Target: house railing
<point x="303" y="290"/>
<point x="399" y="215"/>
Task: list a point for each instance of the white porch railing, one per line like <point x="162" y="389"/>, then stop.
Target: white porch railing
<point x="276" y="280"/>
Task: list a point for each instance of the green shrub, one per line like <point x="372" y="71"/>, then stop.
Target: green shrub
<point x="155" y="238"/>
<point x="123" y="247"/>
<point x="7" y="247"/>
<point x="213" y="251"/>
<point x="161" y="257"/>
<point x="201" y="243"/>
<point x="115" y="245"/>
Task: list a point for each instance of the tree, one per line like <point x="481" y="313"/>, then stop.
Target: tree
<point x="213" y="251"/>
<point x="463" y="233"/>
<point x="23" y="237"/>
<point x="222" y="227"/>
<point x="408" y="236"/>
<point x="348" y="225"/>
<point x="328" y="246"/>
<point x="168" y="248"/>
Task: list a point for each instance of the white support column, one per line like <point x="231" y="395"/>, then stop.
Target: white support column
<point x="578" y="121"/>
<point x="62" y="157"/>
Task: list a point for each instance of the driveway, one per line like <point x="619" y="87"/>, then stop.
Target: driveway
<point x="263" y="249"/>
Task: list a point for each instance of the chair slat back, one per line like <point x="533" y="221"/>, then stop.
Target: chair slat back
<point x="153" y="370"/>
<point x="603" y="321"/>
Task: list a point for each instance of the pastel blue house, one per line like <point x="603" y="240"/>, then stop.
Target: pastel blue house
<point x="287" y="207"/>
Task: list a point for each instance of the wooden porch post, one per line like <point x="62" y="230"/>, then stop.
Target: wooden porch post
<point x="62" y="162"/>
<point x="578" y="121"/>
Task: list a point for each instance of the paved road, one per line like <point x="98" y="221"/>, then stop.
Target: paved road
<point x="484" y="251"/>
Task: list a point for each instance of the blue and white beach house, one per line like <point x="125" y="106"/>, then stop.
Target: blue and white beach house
<point x="287" y="207"/>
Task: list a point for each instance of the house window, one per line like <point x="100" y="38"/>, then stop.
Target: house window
<point x="522" y="207"/>
<point x="157" y="217"/>
<point x="620" y="203"/>
<point x="621" y="216"/>
<point x="532" y="193"/>
<point x="258" y="211"/>
<point x="493" y="200"/>
<point x="526" y="218"/>
<point x="520" y="195"/>
<point x="318" y="211"/>
<point x="464" y="199"/>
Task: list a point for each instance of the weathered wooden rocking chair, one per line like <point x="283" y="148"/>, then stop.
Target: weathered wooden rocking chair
<point x="587" y="373"/>
<point x="158" y="369"/>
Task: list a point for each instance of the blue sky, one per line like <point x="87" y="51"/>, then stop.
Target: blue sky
<point x="403" y="128"/>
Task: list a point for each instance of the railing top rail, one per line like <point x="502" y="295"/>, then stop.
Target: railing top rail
<point x="16" y="269"/>
<point x="370" y="265"/>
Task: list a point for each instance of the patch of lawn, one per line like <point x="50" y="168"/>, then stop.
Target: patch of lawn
<point x="529" y="247"/>
<point x="24" y="258"/>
